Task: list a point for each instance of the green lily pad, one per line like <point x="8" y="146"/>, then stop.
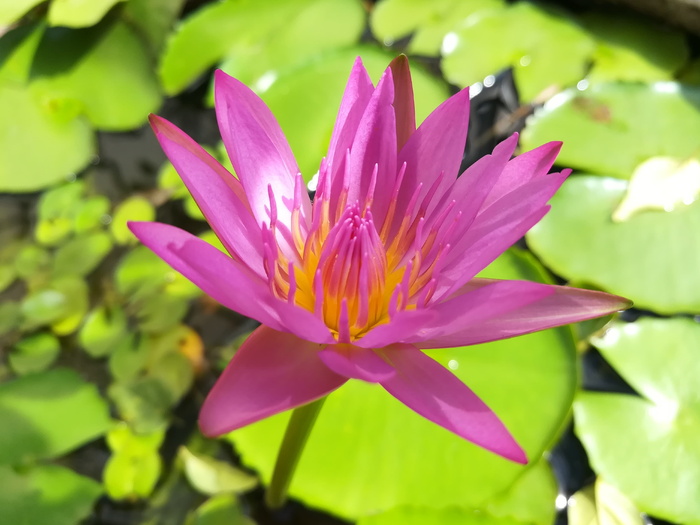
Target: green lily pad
<point x="78" y="13"/>
<point x="32" y="261"/>
<point x="602" y="504"/>
<point x="10" y="12"/>
<point x="545" y="49"/>
<point x="647" y="446"/>
<point x="219" y="510"/>
<point x="154" y="20"/>
<point x="62" y="303"/>
<point x="257" y="37"/>
<point x="50" y="413"/>
<point x="305" y="101"/>
<point x="428" y="516"/>
<point x="426" y="22"/>
<point x="10" y="316"/>
<point x="45" y="494"/>
<point x="103" y="71"/>
<point x="634" y="49"/>
<point x="66" y="145"/>
<point x="638" y="258"/>
<point x="56" y="211"/>
<point x="34" y="353"/>
<point x="612" y="128"/>
<point x="389" y="456"/>
<point x="132" y="209"/>
<point x="211" y="476"/>
<point x="81" y="255"/>
<point x="91" y="213"/>
<point x="103" y="331"/>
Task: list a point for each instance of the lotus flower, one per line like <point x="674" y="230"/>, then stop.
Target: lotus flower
<point x="381" y="265"/>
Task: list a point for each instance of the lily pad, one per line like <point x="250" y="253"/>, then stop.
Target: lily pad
<point x="82" y="254"/>
<point x="78" y="13"/>
<point x="384" y="455"/>
<point x="647" y="446"/>
<point x="34" y="353"/>
<point x="634" y="49"/>
<point x="50" y="413"/>
<point x="651" y="258"/>
<point x="602" y="504"/>
<point x="103" y="71"/>
<point x="132" y="209"/>
<point x="223" y="509"/>
<point x="45" y="494"/>
<point x="258" y="37"/>
<point x="545" y="49"/>
<point x="427" y="516"/>
<point x="104" y="329"/>
<point x="10" y="12"/>
<point x="426" y="22"/>
<point x="612" y="128"/>
<point x="305" y="100"/>
<point x="211" y="476"/>
<point x="154" y="19"/>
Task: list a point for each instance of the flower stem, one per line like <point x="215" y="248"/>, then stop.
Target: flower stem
<point x="295" y="437"/>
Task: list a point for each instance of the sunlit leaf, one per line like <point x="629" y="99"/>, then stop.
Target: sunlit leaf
<point x="428" y="516"/>
<point x="34" y="353"/>
<point x="11" y="11"/>
<point x="82" y="254"/>
<point x="50" y="413"/>
<point x="104" y="329"/>
<point x="154" y="19"/>
<point x="132" y="209"/>
<point x="212" y="476"/>
<point x="647" y="446"/>
<point x="78" y="13"/>
<point x="602" y="504"/>
<point x="91" y="213"/>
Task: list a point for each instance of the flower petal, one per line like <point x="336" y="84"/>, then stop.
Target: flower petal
<point x="258" y="149"/>
<point x="356" y="363"/>
<point x="563" y="306"/>
<point x="270" y="373"/>
<point x="404" y="106"/>
<point x="428" y="388"/>
<point x="217" y="192"/>
<point x="227" y="281"/>
<point x="402" y="324"/>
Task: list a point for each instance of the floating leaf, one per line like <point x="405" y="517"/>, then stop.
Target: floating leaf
<point x="103" y="330"/>
<point x="638" y="258"/>
<point x="258" y="37"/>
<point x="50" y="413"/>
<point x="143" y="402"/>
<point x="81" y="255"/>
<point x="10" y="12"/>
<point x="91" y="213"/>
<point x="389" y="456"/>
<point x="211" y="476"/>
<point x="10" y="316"/>
<point x="426" y="22"/>
<point x="219" y="510"/>
<point x="634" y="49"/>
<point x="307" y="116"/>
<point x="544" y="49"/>
<point x="612" y="128"/>
<point x="32" y="261"/>
<point x="45" y="494"/>
<point x="154" y="19"/>
<point x="132" y="209"/>
<point x="431" y="516"/>
<point x="647" y="446"/>
<point x="602" y="504"/>
<point x="78" y="13"/>
<point x="34" y="353"/>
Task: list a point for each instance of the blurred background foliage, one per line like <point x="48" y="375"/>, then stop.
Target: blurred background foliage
<point x="106" y="353"/>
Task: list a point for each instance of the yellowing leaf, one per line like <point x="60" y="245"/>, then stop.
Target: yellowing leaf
<point x="660" y="183"/>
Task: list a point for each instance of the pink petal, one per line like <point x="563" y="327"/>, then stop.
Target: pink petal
<point x="524" y="168"/>
<point x="217" y="192"/>
<point x="476" y="304"/>
<point x="404" y="105"/>
<point x="428" y="388"/>
<point x="258" y="149"/>
<point x="227" y="281"/>
<point x="372" y="159"/>
<point x="403" y="324"/>
<point x="563" y="306"/>
<point x="356" y="363"/>
<point x="270" y="373"/>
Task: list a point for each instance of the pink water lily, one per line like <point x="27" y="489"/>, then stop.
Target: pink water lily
<point x="381" y="265"/>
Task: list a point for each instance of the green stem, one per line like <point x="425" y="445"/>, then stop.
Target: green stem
<point x="298" y="430"/>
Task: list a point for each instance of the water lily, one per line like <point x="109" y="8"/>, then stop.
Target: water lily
<point x="380" y="266"/>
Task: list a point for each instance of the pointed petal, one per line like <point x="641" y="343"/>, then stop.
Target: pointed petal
<point x="270" y="373"/>
<point x="428" y="388"/>
<point x="356" y="363"/>
<point x="524" y="168"/>
<point x="562" y="306"/>
<point x="476" y="304"/>
<point x="404" y="105"/>
<point x="217" y="192"/>
<point x="403" y="324"/>
<point x="374" y="148"/>
<point x="258" y="149"/>
<point x="227" y="281"/>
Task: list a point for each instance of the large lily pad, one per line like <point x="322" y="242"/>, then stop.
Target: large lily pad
<point x="545" y="49"/>
<point x="258" y="37"/>
<point x="49" y="414"/>
<point x="648" y="446"/>
<point x="368" y="452"/>
<point x="306" y="100"/>
<point x="651" y="258"/>
<point x="426" y="22"/>
<point x="78" y="13"/>
<point x="45" y="494"/>
<point x="612" y="128"/>
<point x="427" y="516"/>
<point x="602" y="504"/>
